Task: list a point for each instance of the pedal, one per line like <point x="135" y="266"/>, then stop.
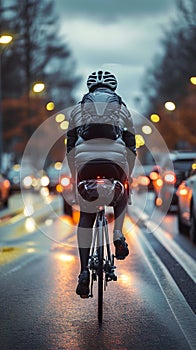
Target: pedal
<point x="115" y="277"/>
<point x="111" y="277"/>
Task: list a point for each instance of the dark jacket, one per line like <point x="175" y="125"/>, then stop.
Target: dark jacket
<point x="127" y="136"/>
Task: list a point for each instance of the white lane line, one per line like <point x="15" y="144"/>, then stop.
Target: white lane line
<point x="185" y="260"/>
<point x="22" y="264"/>
<point x="175" y="299"/>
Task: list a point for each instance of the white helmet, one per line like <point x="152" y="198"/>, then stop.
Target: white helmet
<point x="101" y="78"/>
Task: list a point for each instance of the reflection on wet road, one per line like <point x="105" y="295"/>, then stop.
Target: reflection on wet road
<point x="144" y="309"/>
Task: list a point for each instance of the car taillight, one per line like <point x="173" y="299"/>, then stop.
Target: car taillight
<point x="143" y="180"/>
<point x="59" y="188"/>
<point x="153" y="175"/>
<point x="159" y="182"/>
<point x="6" y="183"/>
<point x="170" y="178"/>
<point x="159" y="202"/>
<point x="183" y="191"/>
<point x="126" y="185"/>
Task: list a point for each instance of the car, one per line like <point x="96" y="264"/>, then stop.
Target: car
<point x="173" y="169"/>
<point x="4" y="191"/>
<point x="60" y="183"/>
<point x="23" y="177"/>
<point x="145" y="177"/>
<point x="186" y="194"/>
<point x="14" y="177"/>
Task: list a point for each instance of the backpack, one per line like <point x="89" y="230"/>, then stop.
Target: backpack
<point x="100" y="115"/>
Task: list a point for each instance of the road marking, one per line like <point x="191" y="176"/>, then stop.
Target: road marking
<point x="26" y="260"/>
<point x="175" y="299"/>
<point x="186" y="261"/>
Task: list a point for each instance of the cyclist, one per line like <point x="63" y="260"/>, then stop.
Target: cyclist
<point x="100" y="149"/>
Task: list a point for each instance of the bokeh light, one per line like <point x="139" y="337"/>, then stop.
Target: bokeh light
<point x="50" y="106"/>
<point x="139" y="140"/>
<point x="155" y="118"/>
<point x="38" y="87"/>
<point x="193" y="80"/>
<point x="147" y="129"/>
<point x="170" y="106"/>
<point x="60" y="117"/>
<point x="5" y="39"/>
<point x="64" y="125"/>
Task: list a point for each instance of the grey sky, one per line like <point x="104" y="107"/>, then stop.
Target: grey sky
<point x="118" y="35"/>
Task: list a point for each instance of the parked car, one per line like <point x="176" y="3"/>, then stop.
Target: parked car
<point x="4" y="191"/>
<point x="173" y="170"/>
<point x="186" y="194"/>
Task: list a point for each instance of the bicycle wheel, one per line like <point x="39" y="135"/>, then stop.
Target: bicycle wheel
<point x="100" y="251"/>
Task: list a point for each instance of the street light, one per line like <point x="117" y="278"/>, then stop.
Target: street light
<point x="4" y="40"/>
<point x="155" y="118"/>
<point x="170" y="106"/>
<point x="38" y="87"/>
<point x="193" y="80"/>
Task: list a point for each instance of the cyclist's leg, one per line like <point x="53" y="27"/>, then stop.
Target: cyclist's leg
<point x="119" y="212"/>
<point x="121" y="247"/>
<point x="86" y="222"/>
<point x="84" y="235"/>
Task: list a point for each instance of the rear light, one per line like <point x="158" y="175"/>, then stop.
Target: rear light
<point x="143" y="180"/>
<point x="6" y="183"/>
<point x="159" y="182"/>
<point x="126" y="185"/>
<point x="153" y="175"/>
<point x="159" y="202"/>
<point x="170" y="178"/>
<point x="100" y="181"/>
<point x="59" y="188"/>
<point x="183" y="192"/>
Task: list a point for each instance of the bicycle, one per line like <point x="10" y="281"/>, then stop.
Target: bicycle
<point x="101" y="259"/>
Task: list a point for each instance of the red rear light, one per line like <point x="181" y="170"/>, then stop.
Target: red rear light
<point x="183" y="192"/>
<point x="170" y="178"/>
<point x="6" y="183"/>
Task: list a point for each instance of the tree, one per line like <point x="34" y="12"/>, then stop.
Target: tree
<point x="169" y="78"/>
<point x="37" y="53"/>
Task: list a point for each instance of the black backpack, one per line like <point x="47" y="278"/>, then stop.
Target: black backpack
<point x="100" y="115"/>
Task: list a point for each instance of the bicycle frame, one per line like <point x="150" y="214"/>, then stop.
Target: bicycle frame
<point x="101" y="261"/>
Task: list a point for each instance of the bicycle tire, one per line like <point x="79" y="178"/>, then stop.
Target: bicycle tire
<point x="100" y="274"/>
